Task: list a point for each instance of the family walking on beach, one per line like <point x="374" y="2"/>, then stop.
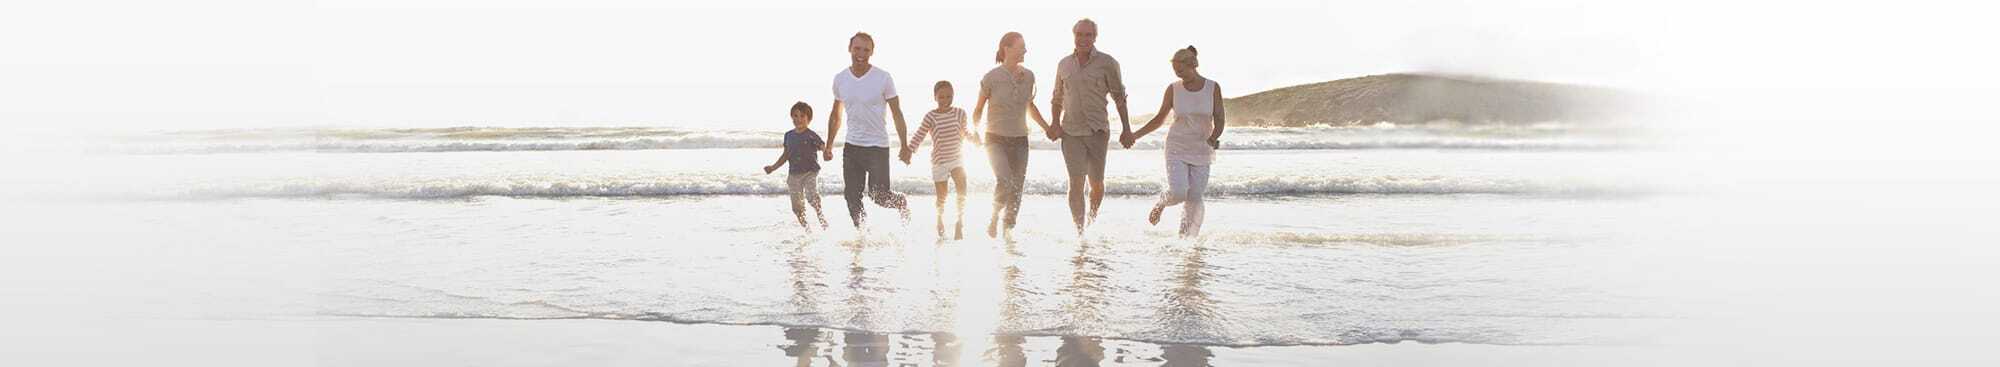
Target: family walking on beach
<point x="1086" y="81"/>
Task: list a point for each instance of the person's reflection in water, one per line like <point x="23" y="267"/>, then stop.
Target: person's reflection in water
<point x="862" y="302"/>
<point x="1085" y="294"/>
<point x="1013" y="297"/>
<point x="944" y="349"/>
<point x="1007" y="351"/>
<point x="865" y="350"/>
<point x="807" y="283"/>
<point x="1188" y="312"/>
<point x="805" y="345"/>
<point x="1079" y="351"/>
<point x="1187" y="294"/>
<point x="1185" y="355"/>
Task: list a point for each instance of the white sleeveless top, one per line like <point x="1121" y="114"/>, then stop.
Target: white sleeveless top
<point x="1194" y="121"/>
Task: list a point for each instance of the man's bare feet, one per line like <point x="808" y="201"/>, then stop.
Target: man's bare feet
<point x="1154" y="217"/>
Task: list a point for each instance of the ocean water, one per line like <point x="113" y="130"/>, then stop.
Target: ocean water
<point x="1314" y="236"/>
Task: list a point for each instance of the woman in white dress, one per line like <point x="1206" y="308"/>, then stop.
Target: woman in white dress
<point x="1191" y="141"/>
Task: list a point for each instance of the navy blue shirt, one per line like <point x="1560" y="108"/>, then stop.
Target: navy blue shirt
<point x="802" y="150"/>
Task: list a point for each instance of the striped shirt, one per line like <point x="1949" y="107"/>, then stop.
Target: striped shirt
<point x="947" y="129"/>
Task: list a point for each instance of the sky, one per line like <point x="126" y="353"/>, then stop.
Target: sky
<point x="133" y="65"/>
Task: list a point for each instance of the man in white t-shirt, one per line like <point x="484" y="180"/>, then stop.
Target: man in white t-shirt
<point x="866" y="91"/>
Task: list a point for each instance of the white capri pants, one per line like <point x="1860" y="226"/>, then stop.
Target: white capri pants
<point x="1185" y="184"/>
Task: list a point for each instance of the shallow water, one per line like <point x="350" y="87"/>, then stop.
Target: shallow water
<point x="1301" y="246"/>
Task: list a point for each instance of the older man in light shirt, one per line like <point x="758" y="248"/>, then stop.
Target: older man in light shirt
<point x="1083" y="80"/>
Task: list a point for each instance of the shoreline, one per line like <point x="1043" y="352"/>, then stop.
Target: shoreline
<point x="388" y="341"/>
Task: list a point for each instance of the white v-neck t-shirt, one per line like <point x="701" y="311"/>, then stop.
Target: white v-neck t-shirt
<point x="866" y="100"/>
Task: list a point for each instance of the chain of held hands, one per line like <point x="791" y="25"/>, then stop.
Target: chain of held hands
<point x="1054" y="133"/>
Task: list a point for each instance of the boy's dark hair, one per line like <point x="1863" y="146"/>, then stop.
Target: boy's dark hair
<point x="941" y="84"/>
<point x="801" y="106"/>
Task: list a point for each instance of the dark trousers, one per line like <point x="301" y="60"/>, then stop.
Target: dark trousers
<point x="866" y="167"/>
<point x="1010" y="172"/>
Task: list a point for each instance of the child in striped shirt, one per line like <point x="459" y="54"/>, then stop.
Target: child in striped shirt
<point x="946" y="127"/>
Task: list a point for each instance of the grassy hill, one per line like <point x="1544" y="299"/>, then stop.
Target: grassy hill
<point x="1419" y="98"/>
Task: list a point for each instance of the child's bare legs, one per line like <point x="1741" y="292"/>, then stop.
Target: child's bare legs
<point x="958" y="179"/>
<point x="943" y="190"/>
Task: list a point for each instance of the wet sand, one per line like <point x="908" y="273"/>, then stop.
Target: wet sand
<point x="339" y="341"/>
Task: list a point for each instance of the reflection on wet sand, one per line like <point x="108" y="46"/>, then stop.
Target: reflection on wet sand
<point x="806" y="283"/>
<point x="944" y="349"/>
<point x="1184" y="355"/>
<point x="1187" y="308"/>
<point x="1079" y="351"/>
<point x="1013" y="294"/>
<point x="865" y="350"/>
<point x="805" y="345"/>
<point x="1007" y="352"/>
<point x="1190" y="308"/>
<point x="1085" y="302"/>
<point x="861" y="301"/>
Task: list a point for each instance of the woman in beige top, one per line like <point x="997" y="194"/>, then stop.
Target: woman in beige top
<point x="1010" y="88"/>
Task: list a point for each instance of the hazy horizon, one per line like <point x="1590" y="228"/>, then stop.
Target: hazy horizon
<point x="612" y="63"/>
<point x="236" y="64"/>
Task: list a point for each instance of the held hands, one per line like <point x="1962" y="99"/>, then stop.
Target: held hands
<point x="1054" y="132"/>
<point x="827" y="152"/>
<point x="1126" y="139"/>
<point x="906" y="156"/>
